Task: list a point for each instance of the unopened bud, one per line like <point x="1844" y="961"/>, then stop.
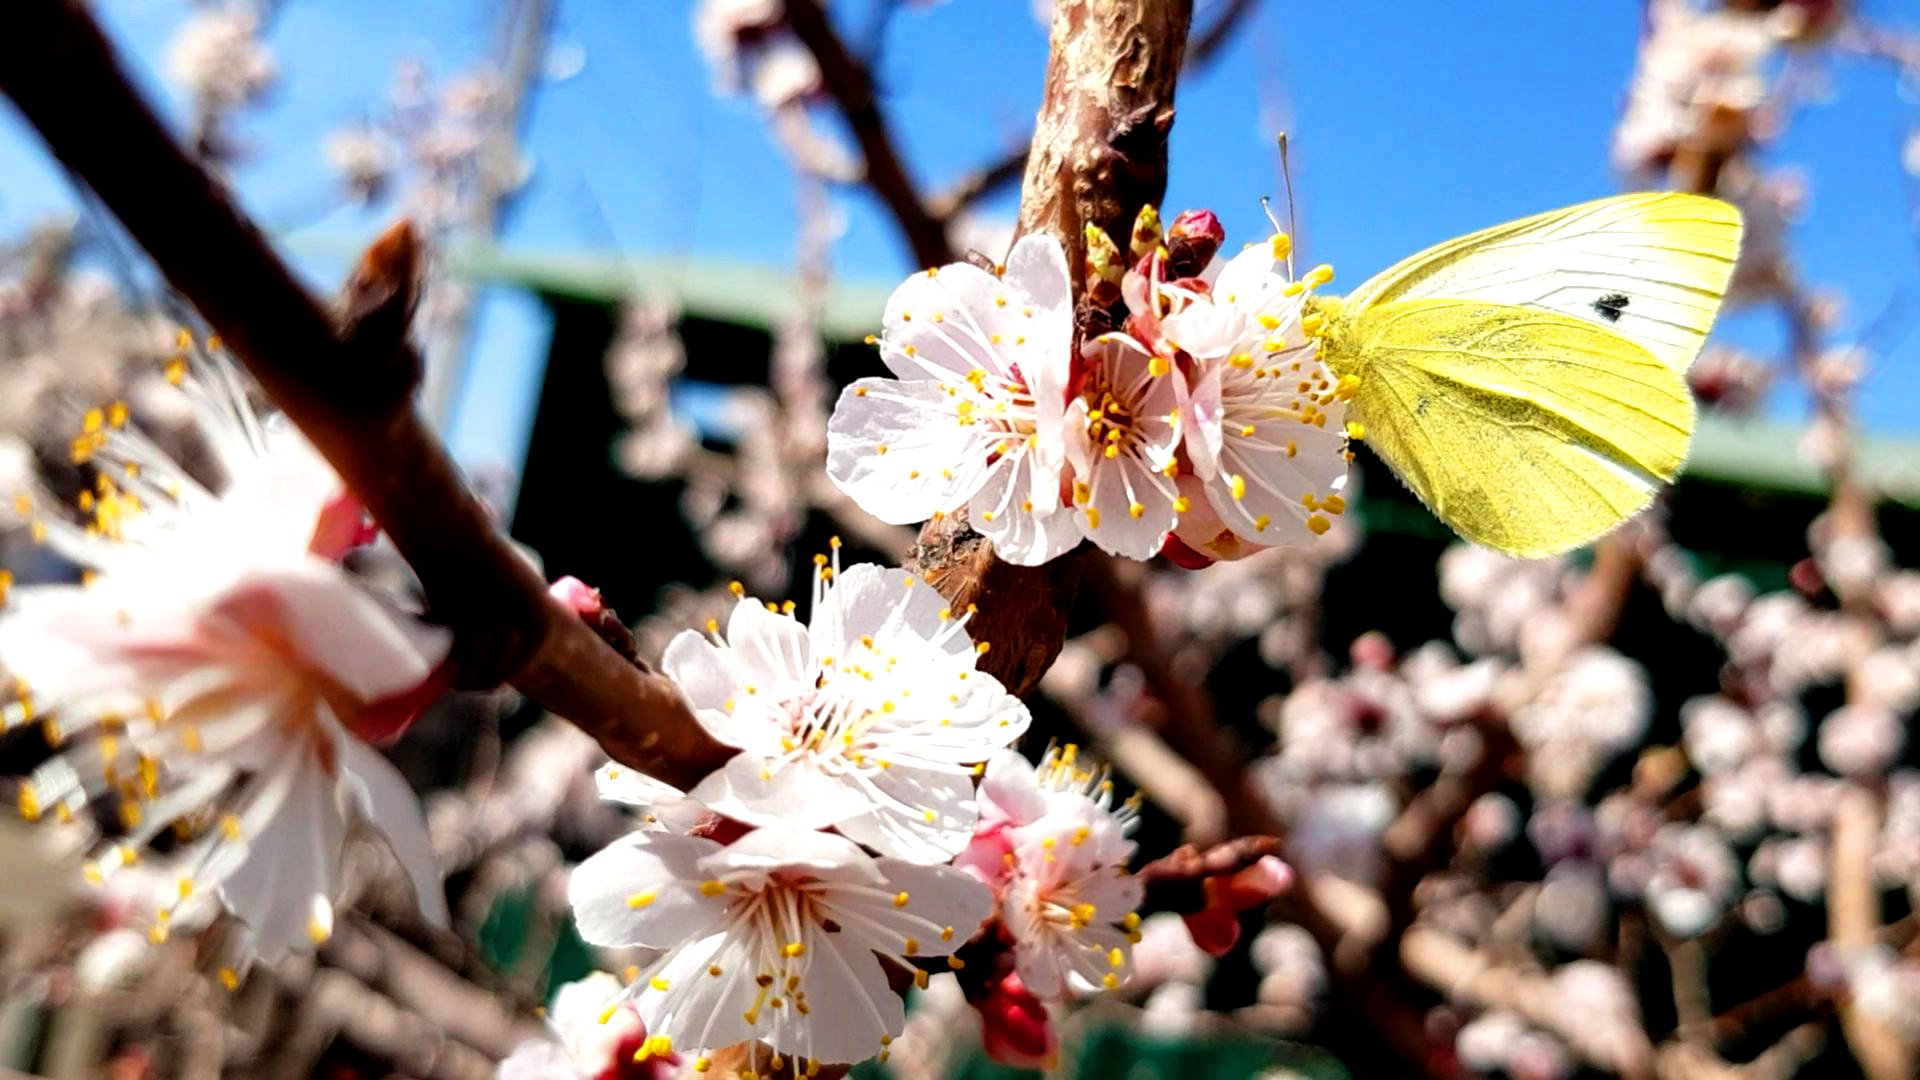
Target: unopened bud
<point x="1192" y="240"/>
<point x="1146" y="233"/>
<point x="1105" y="268"/>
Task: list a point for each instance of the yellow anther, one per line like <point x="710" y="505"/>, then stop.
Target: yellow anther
<point x="1355" y="430"/>
<point x="1093" y="518"/>
<point x="1318" y="525"/>
<point x="1135" y="509"/>
<point x="1110" y="980"/>
<point x="1282" y="245"/>
<point x="1157" y="366"/>
<point x="1260" y="523"/>
<point x="1237" y="484"/>
<point x="1334" y="504"/>
<point x="229" y="978"/>
<point x="642" y="899"/>
<point x="900" y="899"/>
<point x="910" y="947"/>
<point x="659" y="984"/>
<point x="794" y="948"/>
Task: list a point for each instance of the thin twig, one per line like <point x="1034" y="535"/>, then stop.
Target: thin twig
<point x="851" y="86"/>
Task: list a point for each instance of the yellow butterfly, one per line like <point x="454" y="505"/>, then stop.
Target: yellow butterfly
<point x="1528" y="381"/>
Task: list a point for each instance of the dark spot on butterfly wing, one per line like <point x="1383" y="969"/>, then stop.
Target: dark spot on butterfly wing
<point x="1610" y="306"/>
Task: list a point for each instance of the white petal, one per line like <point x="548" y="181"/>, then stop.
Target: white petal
<point x="706" y="673"/>
<point x="367" y="647"/>
<point x="1010" y="789"/>
<point x="899" y="826"/>
<point x="1118" y="487"/>
<point x="885" y="604"/>
<point x="698" y="1010"/>
<point x="948" y="319"/>
<point x="291" y="861"/>
<point x="392" y="807"/>
<point x="758" y="790"/>
<point x="768" y="646"/>
<point x="1200" y="412"/>
<point x="853" y="1006"/>
<point x="775" y="848"/>
<point x="1273" y="483"/>
<point x="1023" y="536"/>
<point x="1248" y="281"/>
<point x="897" y="448"/>
<point x="623" y="784"/>
<point x="938" y="894"/>
<point x="645" y="890"/>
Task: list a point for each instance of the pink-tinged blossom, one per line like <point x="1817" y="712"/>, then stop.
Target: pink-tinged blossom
<point x="871" y="718"/>
<point x="1262" y="418"/>
<point x="783" y="936"/>
<point x="974" y="415"/>
<point x="219" y="680"/>
<point x="1054" y="848"/>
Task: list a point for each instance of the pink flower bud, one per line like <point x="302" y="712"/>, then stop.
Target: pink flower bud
<point x="1192" y="240"/>
<point x="1014" y="1028"/>
<point x="341" y="527"/>
<point x="578" y="597"/>
<point x="1216" y="927"/>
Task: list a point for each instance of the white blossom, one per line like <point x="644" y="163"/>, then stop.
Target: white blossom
<point x="221" y="674"/>
<point x="975" y="415"/>
<point x="1265" y="418"/>
<point x="777" y="937"/>
<point x="1055" y="849"/>
<point x="871" y="718"/>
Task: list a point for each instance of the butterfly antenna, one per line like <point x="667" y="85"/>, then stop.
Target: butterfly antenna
<point x="1286" y="176"/>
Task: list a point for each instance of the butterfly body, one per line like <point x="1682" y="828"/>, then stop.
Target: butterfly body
<point x="1528" y="382"/>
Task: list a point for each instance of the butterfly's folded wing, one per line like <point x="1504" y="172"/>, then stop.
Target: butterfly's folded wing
<point x="1650" y="267"/>
<point x="1525" y="430"/>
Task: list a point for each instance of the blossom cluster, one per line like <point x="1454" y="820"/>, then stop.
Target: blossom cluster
<point x="1206" y="426"/>
<point x="844" y="849"/>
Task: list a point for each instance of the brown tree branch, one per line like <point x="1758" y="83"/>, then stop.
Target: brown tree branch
<point x="851" y="85"/>
<point x="350" y="394"/>
<point x="1853" y="923"/>
<point x="1099" y="154"/>
<point x="991" y="178"/>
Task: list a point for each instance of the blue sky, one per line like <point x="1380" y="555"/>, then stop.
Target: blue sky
<point x="1408" y="126"/>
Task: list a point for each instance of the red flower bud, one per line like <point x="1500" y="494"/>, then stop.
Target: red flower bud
<point x="1192" y="240"/>
<point x="1014" y="1028"/>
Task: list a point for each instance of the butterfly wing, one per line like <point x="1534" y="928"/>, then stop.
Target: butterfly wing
<point x="1650" y="268"/>
<point x="1527" y="431"/>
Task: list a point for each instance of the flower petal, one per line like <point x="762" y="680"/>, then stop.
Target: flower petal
<point x="391" y="806"/>
<point x="898" y="448"/>
<point x="645" y="890"/>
